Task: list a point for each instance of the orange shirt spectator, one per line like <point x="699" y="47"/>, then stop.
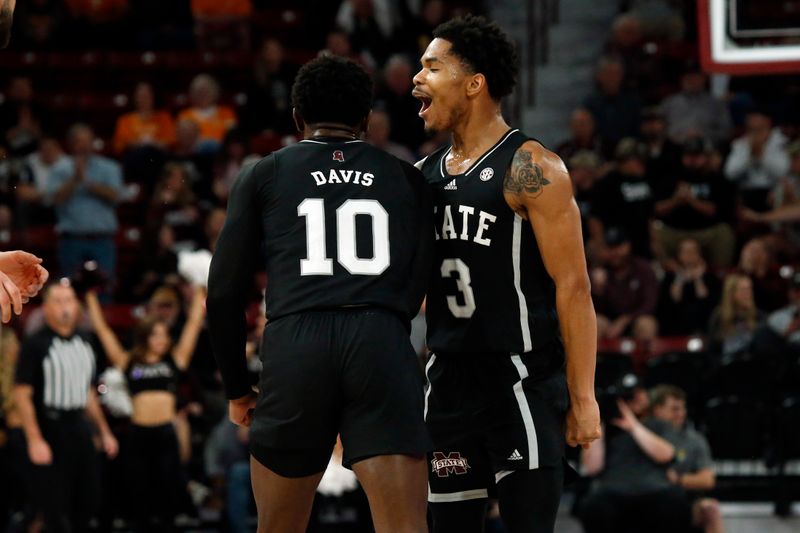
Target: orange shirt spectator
<point x="134" y="129"/>
<point x="213" y="120"/>
<point x="221" y="8"/>
<point x="144" y="125"/>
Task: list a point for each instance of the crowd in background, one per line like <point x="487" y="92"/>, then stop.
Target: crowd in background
<point x="685" y="187"/>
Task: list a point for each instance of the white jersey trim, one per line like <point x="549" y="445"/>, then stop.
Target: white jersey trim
<point x="430" y="386"/>
<point x="337" y="142"/>
<point x="516" y="252"/>
<point x="441" y="162"/>
<point x="498" y="145"/>
<point x="525" y="411"/>
<point x="449" y="497"/>
<point x="501" y="474"/>
<point x="477" y="164"/>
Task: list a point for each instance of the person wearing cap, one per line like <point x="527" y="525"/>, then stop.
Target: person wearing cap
<point x="624" y="291"/>
<point x="625" y="196"/>
<point x="758" y="160"/>
<point x="694" y="111"/>
<point x="663" y="155"/>
<point x="696" y="203"/>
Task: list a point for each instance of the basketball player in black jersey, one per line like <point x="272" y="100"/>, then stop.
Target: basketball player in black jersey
<point x="346" y="233"/>
<point x="511" y="325"/>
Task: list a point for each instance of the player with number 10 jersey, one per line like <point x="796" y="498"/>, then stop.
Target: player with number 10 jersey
<point x="345" y="232"/>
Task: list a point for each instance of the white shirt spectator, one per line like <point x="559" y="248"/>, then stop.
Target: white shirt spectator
<point x="753" y="172"/>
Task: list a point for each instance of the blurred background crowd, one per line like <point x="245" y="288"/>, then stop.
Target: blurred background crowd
<point x="124" y="123"/>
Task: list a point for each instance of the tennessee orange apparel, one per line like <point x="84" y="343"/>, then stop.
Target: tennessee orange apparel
<point x="214" y="122"/>
<point x="134" y="128"/>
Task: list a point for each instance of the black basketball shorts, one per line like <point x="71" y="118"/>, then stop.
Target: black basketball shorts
<point x="490" y="414"/>
<point x="346" y="371"/>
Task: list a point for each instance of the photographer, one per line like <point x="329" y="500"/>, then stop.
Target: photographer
<point x="692" y="470"/>
<point x="631" y="490"/>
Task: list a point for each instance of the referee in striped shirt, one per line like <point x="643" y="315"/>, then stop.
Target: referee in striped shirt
<point x="56" y="400"/>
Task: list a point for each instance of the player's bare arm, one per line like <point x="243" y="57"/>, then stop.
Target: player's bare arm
<point x="6" y="17"/>
<point x="538" y="188"/>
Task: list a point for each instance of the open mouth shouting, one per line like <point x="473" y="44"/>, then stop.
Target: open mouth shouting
<point x="425" y="99"/>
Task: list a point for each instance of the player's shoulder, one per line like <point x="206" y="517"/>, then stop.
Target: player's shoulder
<point x="253" y="168"/>
<point x="255" y="174"/>
<point x="532" y="154"/>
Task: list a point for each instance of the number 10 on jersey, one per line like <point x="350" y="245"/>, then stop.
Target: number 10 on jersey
<point x="317" y="262"/>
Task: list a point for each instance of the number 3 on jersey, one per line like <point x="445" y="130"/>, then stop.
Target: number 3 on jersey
<point x="317" y="262"/>
<point x="450" y="268"/>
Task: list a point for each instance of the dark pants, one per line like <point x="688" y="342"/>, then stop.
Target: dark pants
<point x="74" y="251"/>
<point x="13" y="495"/>
<point x="662" y="511"/>
<point x="154" y="473"/>
<point x="66" y="491"/>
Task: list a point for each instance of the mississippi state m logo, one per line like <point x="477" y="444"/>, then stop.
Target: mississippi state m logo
<point x="452" y="463"/>
<point x="338" y="155"/>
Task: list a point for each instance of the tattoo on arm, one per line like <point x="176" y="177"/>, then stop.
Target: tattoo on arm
<point x="524" y="175"/>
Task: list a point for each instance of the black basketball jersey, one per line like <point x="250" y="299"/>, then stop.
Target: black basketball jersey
<point x="341" y="226"/>
<point x="337" y="224"/>
<point x="489" y="290"/>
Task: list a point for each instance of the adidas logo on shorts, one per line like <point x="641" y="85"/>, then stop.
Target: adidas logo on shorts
<point x="451" y="186"/>
<point x="515" y="456"/>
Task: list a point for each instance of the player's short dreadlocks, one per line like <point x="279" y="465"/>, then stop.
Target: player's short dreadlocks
<point x="484" y="48"/>
<point x="332" y="89"/>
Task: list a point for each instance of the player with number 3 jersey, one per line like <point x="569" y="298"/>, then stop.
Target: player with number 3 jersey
<point x="345" y="232"/>
<point x="511" y="325"/>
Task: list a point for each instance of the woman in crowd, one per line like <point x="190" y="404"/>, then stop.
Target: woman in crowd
<point x="174" y="203"/>
<point x="735" y="319"/>
<point x="688" y="295"/>
<point x="144" y="125"/>
<point x="213" y="119"/>
<point x="151" y="368"/>
<point x="143" y="137"/>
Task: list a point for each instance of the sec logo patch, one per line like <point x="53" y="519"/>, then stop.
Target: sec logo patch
<point x="486" y="174"/>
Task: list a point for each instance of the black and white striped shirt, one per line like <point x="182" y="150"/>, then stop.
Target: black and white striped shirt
<point x="60" y="369"/>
